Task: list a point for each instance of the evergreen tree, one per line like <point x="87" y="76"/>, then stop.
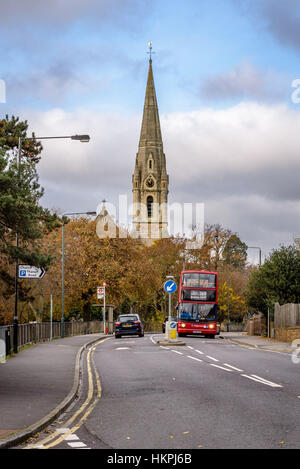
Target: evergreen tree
<point x="20" y="212"/>
<point x="277" y="280"/>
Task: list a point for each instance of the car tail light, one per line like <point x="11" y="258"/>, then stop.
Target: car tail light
<point x="118" y="323"/>
<point x="137" y="322"/>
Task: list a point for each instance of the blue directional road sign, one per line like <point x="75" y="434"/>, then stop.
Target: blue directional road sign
<point x="170" y="286"/>
<point x="30" y="271"/>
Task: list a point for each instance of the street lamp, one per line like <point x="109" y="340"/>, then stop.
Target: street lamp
<point x="254" y="247"/>
<point x="63" y="268"/>
<point x="81" y="138"/>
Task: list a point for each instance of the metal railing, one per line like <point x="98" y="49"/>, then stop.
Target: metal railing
<point x="31" y="333"/>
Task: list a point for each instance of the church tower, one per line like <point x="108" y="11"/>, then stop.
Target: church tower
<point x="150" y="181"/>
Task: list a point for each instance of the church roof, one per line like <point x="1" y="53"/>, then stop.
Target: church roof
<point x="150" y="131"/>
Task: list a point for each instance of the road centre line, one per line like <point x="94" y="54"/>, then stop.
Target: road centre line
<point x="268" y="382"/>
<point x="233" y="367"/>
<point x="212" y="358"/>
<point x="263" y="381"/>
<point x="194" y="358"/>
<point x="221" y="367"/>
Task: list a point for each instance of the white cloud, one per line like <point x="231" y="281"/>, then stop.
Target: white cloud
<point x="244" y="81"/>
<point x="242" y="162"/>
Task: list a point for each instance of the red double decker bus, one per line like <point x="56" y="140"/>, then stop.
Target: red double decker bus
<point x="198" y="303"/>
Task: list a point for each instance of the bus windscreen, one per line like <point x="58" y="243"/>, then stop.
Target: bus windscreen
<point x="196" y="312"/>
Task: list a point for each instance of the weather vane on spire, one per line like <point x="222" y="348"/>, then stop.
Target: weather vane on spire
<point x="150" y="50"/>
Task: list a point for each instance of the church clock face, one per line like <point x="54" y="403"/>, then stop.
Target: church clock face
<point x="150" y="182"/>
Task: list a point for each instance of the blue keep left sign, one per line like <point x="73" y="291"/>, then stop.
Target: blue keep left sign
<point x="170" y="286"/>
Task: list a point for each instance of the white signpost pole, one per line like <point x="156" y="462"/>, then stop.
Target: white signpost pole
<point x="51" y="316"/>
<point x="100" y="295"/>
<point x="104" y="307"/>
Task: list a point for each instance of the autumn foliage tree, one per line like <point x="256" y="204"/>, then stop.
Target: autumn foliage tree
<point x="134" y="273"/>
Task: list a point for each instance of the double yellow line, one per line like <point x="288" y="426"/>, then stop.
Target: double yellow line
<point x="85" y="409"/>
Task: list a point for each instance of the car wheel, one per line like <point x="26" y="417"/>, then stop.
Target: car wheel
<point x="181" y="334"/>
<point x="117" y="336"/>
<point x="141" y="335"/>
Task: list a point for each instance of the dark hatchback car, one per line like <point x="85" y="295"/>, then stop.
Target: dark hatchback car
<point x="129" y="324"/>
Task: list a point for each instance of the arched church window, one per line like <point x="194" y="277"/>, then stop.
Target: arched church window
<point x="150" y="161"/>
<point x="149" y="205"/>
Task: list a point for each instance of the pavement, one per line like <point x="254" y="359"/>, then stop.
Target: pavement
<point x="257" y="342"/>
<point x="37" y="385"/>
<point x="40" y="382"/>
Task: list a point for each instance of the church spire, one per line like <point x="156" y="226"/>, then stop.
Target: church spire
<point x="150" y="181"/>
<point x="150" y="130"/>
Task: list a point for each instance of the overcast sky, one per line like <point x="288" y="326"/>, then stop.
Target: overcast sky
<point x="223" y="72"/>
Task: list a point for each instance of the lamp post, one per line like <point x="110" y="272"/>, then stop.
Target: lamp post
<point x="63" y="268"/>
<point x="81" y="138"/>
<point x="259" y="249"/>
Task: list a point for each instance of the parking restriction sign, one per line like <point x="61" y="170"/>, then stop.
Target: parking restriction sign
<point x="100" y="292"/>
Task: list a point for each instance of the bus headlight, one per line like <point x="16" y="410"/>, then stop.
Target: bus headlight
<point x="211" y="326"/>
<point x="182" y="325"/>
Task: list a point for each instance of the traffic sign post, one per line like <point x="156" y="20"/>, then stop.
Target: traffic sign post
<point x="100" y="296"/>
<point x="171" y="326"/>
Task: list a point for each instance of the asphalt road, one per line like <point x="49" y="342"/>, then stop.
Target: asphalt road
<point x="207" y="394"/>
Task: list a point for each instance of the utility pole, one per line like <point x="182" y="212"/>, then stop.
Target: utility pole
<point x="51" y="315"/>
<point x="104" y="307"/>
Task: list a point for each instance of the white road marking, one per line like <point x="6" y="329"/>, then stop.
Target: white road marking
<point x="212" y="358"/>
<point x="199" y="351"/>
<point x="122" y="348"/>
<point x="221" y="367"/>
<point x="194" y="358"/>
<point x="77" y="444"/>
<point x="162" y="346"/>
<point x="270" y="383"/>
<point x="233" y="367"/>
<point x="263" y="381"/>
<point x="71" y="437"/>
<point x="62" y="430"/>
<point x="175" y="351"/>
<point x="192" y="348"/>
